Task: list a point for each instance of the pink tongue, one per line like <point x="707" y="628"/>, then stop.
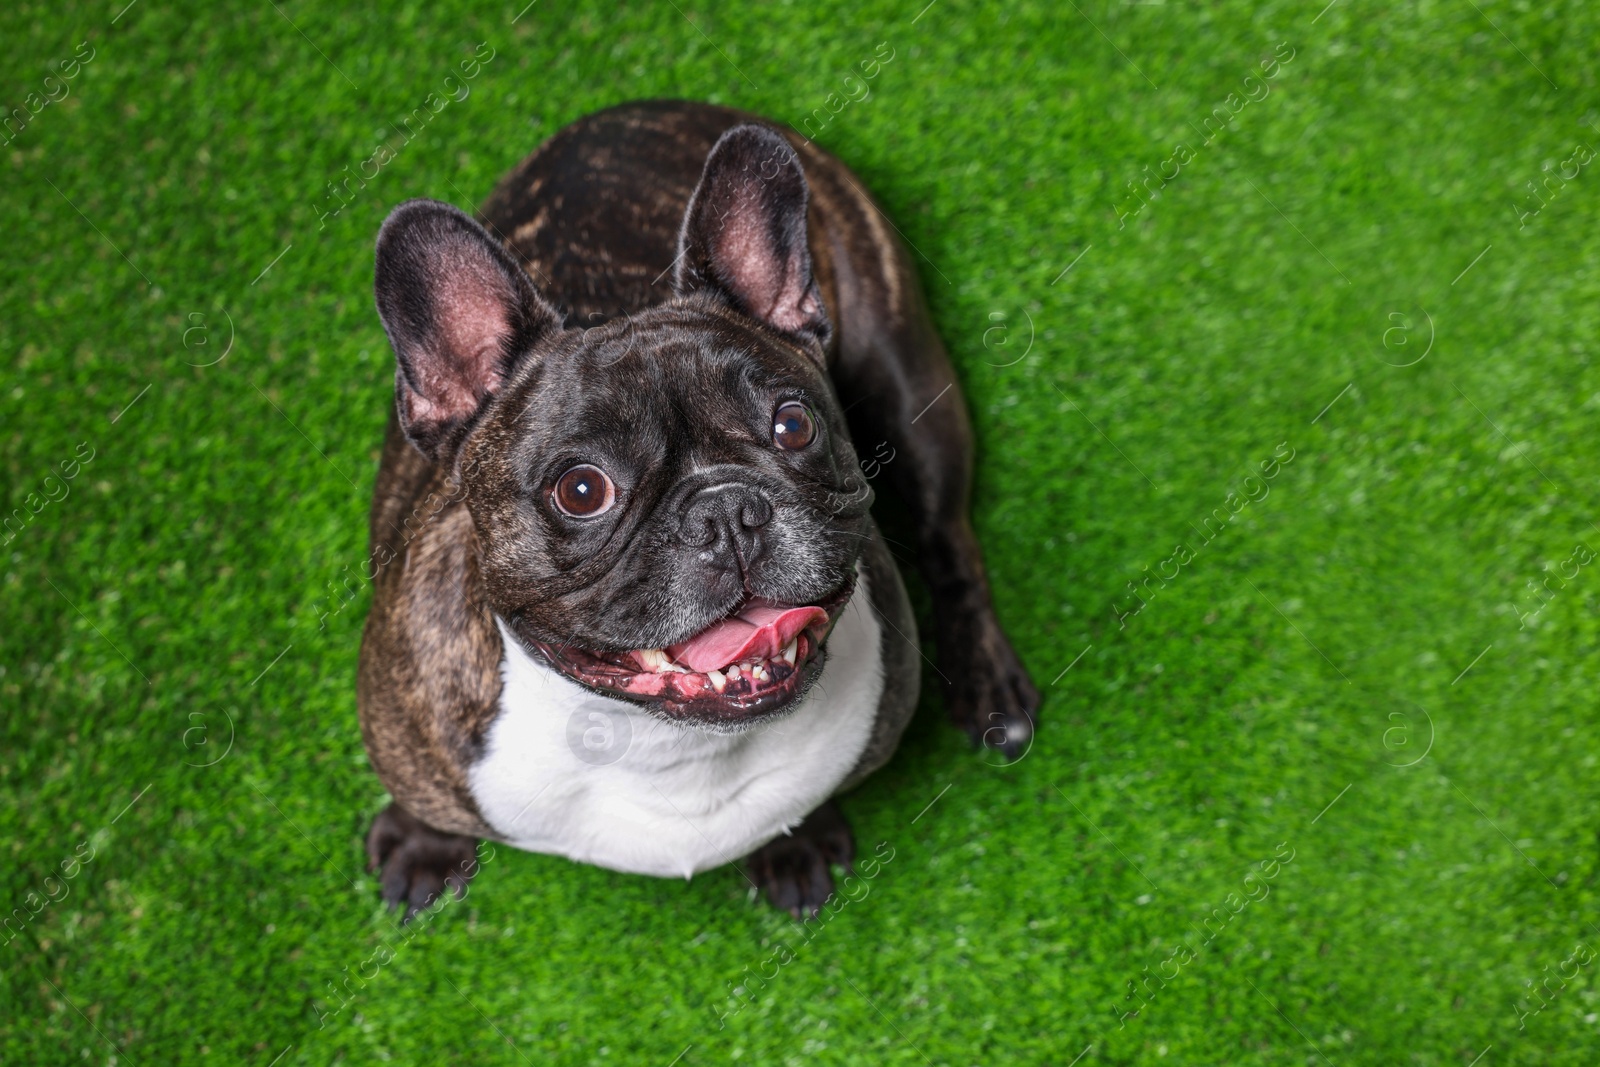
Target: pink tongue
<point x="758" y="632"/>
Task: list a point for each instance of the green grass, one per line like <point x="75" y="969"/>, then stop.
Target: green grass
<point x="141" y="614"/>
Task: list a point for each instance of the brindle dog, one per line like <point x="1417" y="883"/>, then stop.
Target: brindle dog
<point x="619" y="488"/>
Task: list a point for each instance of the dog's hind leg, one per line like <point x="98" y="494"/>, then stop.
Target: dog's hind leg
<point x="908" y="419"/>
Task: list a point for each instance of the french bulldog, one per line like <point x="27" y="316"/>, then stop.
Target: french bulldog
<point x="630" y="605"/>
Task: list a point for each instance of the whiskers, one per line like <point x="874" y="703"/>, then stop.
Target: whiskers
<point x="867" y="537"/>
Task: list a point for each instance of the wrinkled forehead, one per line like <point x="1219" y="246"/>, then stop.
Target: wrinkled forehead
<point x="673" y="374"/>
<point x="679" y="360"/>
<point x="685" y="333"/>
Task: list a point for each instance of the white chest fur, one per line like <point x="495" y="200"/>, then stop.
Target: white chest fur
<point x="572" y="773"/>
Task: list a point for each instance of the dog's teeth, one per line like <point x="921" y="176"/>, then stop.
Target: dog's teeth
<point x="791" y="650"/>
<point x="733" y="672"/>
<point x="718" y="682"/>
<point x="657" y="660"/>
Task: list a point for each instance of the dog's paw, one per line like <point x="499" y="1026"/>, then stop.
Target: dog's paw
<point x="793" y="870"/>
<point x="989" y="695"/>
<point x="416" y="861"/>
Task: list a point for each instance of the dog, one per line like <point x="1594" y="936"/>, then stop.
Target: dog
<point x="630" y="604"/>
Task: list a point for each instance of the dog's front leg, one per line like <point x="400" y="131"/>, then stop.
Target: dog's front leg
<point x="416" y="861"/>
<point x="793" y="869"/>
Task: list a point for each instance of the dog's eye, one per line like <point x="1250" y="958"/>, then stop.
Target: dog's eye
<point x="792" y="426"/>
<point x="584" y="492"/>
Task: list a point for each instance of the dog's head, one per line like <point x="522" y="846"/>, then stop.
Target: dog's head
<point x="668" y="506"/>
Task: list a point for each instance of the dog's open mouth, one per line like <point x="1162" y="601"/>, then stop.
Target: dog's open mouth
<point x="754" y="661"/>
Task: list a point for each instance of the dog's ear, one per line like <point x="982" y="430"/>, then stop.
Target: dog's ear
<point x="744" y="234"/>
<point x="458" y="312"/>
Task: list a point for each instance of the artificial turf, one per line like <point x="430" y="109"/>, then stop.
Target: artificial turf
<point x="1354" y="683"/>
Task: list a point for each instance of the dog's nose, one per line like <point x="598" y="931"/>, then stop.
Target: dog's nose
<point x="725" y="523"/>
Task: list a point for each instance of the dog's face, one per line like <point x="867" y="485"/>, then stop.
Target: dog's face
<point x="668" y="506"/>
